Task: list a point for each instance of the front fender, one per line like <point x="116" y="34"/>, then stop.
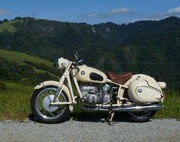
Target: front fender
<point x="46" y="83"/>
<point x="55" y="83"/>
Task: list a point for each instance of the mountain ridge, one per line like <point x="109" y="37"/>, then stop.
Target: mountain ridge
<point x="106" y="46"/>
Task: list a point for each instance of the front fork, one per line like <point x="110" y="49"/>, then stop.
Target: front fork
<point x="60" y="86"/>
<point x="59" y="89"/>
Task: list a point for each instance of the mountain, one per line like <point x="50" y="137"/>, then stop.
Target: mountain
<point x="151" y="47"/>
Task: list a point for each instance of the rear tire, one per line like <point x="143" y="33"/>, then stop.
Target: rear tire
<point x="42" y="113"/>
<point x="141" y="116"/>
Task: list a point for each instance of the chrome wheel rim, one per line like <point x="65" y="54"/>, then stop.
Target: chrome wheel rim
<point x="43" y="108"/>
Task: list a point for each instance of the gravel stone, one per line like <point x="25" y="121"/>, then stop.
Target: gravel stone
<point x="156" y="130"/>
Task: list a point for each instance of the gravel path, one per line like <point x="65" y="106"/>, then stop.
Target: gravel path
<point x="165" y="130"/>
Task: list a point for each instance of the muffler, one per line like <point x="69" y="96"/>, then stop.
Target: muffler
<point x="129" y="108"/>
<point x="138" y="108"/>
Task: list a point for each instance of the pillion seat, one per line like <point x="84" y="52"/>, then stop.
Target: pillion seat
<point x="121" y="78"/>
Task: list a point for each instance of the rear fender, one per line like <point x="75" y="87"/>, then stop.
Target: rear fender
<point x="151" y="81"/>
<point x="55" y="83"/>
<point x="145" y="77"/>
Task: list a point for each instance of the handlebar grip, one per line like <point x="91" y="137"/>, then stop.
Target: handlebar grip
<point x="81" y="60"/>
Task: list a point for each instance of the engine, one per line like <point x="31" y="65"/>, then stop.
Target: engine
<point x="93" y="95"/>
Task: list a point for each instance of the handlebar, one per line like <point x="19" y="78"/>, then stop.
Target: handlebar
<point x="76" y="62"/>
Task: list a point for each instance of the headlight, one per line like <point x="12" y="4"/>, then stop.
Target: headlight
<point x="62" y="63"/>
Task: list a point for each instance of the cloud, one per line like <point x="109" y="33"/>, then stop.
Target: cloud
<point x="92" y="16"/>
<point x="170" y="12"/>
<point x="117" y="11"/>
<point x="4" y="12"/>
<point x="121" y="11"/>
<point x="174" y="10"/>
<point x="159" y="16"/>
<point x="139" y="16"/>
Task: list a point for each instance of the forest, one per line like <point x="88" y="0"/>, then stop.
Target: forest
<point x="150" y="47"/>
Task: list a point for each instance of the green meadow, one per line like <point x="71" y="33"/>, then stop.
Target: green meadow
<point x="15" y="103"/>
<point x="21" y="57"/>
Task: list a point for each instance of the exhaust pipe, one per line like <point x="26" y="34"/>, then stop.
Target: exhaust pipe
<point x="138" y="108"/>
<point x="130" y="108"/>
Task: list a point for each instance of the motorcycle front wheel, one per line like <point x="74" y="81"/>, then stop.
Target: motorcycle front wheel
<point x="41" y="108"/>
<point x="140" y="116"/>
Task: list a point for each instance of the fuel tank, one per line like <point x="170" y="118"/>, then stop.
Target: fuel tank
<point x="88" y="74"/>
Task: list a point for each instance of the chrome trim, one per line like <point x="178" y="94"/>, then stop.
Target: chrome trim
<point x="130" y="108"/>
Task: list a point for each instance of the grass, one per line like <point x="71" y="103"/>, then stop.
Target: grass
<point x="7" y="27"/>
<point x="43" y="71"/>
<point x="15" y="104"/>
<point x="13" y="85"/>
<point x="21" y="57"/>
<point x="171" y="107"/>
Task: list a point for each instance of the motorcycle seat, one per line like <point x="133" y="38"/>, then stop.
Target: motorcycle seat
<point x="119" y="78"/>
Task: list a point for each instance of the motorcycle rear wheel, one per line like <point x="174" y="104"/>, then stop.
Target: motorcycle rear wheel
<point x="141" y="116"/>
<point x="43" y="111"/>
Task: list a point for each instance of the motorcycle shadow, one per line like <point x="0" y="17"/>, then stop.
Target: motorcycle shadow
<point x="91" y="117"/>
<point x="33" y="118"/>
<point x="98" y="117"/>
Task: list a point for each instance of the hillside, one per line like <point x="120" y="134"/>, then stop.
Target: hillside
<point x="21" y="68"/>
<point x="23" y="57"/>
<point x="151" y="47"/>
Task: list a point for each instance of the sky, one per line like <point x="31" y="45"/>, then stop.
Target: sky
<point x="90" y="11"/>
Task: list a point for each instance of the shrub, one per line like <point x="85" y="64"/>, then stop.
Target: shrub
<point x="2" y="85"/>
<point x="25" y="81"/>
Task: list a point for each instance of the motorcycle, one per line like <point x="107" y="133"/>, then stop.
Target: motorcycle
<point x="139" y="95"/>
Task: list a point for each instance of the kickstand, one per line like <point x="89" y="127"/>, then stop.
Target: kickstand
<point x="110" y="117"/>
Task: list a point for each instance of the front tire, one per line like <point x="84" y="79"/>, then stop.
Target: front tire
<point x="141" y="116"/>
<point x="47" y="113"/>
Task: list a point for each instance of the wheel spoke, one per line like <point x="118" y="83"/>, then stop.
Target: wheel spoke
<point x="49" y="111"/>
<point x="53" y="114"/>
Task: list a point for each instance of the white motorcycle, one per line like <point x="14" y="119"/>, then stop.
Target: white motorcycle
<point x="138" y="95"/>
